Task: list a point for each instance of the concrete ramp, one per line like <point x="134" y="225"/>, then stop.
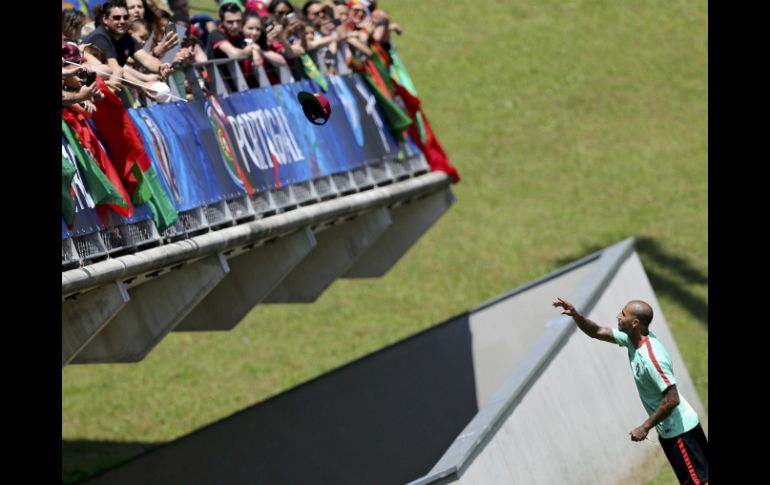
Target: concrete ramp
<point x="507" y="392"/>
<point x="564" y="413"/>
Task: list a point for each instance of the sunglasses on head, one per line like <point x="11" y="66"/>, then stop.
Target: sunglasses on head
<point x="120" y="17"/>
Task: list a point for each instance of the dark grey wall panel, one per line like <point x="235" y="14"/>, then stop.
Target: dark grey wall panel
<point x="383" y="419"/>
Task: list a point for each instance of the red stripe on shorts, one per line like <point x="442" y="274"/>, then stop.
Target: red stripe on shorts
<point x="687" y="461"/>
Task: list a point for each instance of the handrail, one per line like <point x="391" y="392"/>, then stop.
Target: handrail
<point x="174" y="253"/>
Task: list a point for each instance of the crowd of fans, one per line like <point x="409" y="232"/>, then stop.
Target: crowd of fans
<point x="128" y="46"/>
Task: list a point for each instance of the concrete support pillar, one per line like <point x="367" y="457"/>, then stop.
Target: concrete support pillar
<point x="410" y="222"/>
<point x="155" y="308"/>
<point x="252" y="276"/>
<point x="86" y="314"/>
<point x="338" y="248"/>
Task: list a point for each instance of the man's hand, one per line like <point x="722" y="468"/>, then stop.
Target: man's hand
<point x="169" y="40"/>
<point x="88" y="107"/>
<point x="638" y="434"/>
<point x="69" y="70"/>
<point x="274" y="31"/>
<point x="185" y="55"/>
<point x="165" y="70"/>
<point x="113" y="83"/>
<point x="569" y="310"/>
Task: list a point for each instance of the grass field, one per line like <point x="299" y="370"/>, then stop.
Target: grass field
<point x="573" y="123"/>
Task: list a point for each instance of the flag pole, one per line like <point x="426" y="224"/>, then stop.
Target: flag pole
<point x="103" y="73"/>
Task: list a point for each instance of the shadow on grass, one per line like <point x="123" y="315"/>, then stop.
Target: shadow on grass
<point x="82" y="460"/>
<point x="669" y="274"/>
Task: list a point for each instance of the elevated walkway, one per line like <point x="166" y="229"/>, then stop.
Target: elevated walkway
<point x="119" y="309"/>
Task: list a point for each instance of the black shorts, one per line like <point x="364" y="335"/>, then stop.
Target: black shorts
<point x="688" y="455"/>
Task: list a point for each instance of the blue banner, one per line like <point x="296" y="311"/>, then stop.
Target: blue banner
<point x="366" y="120"/>
<point x="231" y="145"/>
<point x="179" y="171"/>
<point x="264" y="140"/>
<point x="227" y="180"/>
<point x="251" y="141"/>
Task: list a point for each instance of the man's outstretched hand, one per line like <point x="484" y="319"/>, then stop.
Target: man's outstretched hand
<point x="567" y="306"/>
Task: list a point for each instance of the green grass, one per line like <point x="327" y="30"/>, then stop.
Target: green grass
<point x="574" y="124"/>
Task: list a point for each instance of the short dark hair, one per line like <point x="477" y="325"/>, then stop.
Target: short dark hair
<point x="110" y="4"/>
<point x="229" y="7"/>
<point x="274" y="4"/>
<point x="307" y="6"/>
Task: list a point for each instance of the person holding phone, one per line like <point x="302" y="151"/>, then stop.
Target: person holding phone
<point x="161" y="38"/>
<point x="227" y="41"/>
<point x="112" y="38"/>
<point x="79" y="87"/>
<point x="287" y="36"/>
<point x="254" y="32"/>
<point x="323" y="42"/>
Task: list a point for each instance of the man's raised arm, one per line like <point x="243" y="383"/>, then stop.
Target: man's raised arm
<point x="589" y="327"/>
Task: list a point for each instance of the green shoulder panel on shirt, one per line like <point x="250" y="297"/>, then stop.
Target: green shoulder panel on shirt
<point x="620" y="338"/>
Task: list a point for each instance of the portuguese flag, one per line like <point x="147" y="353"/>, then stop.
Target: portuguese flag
<point x="100" y="176"/>
<point x="67" y="194"/>
<point x="420" y="130"/>
<point x="313" y="73"/>
<point x="429" y="145"/>
<point x="374" y="70"/>
<point x="121" y="137"/>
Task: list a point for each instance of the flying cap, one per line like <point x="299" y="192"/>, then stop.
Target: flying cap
<point x="315" y="106"/>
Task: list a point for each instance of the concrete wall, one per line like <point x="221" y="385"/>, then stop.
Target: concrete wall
<point x="383" y="419"/>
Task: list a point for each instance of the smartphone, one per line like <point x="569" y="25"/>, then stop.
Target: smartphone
<point x="290" y="16"/>
<point x="170" y="27"/>
<point x="188" y="39"/>
<point x="87" y="77"/>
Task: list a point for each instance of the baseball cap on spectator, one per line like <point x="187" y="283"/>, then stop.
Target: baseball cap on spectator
<point x="258" y="6"/>
<point x="71" y="53"/>
<point x="315" y="106"/>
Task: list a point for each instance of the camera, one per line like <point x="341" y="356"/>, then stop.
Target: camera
<point x="290" y="16"/>
<point x="87" y="77"/>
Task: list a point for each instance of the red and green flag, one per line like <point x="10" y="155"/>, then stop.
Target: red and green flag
<point x="67" y="194"/>
<point x="374" y="70"/>
<point x="121" y="137"/>
<point x="313" y="73"/>
<point x="97" y="170"/>
<point x="430" y="146"/>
